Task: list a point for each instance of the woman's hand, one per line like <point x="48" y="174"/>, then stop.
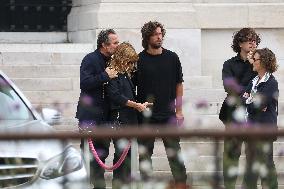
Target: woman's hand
<point x="140" y="107"/>
<point x="148" y="104"/>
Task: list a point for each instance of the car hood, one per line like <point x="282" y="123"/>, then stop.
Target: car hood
<point x="39" y="149"/>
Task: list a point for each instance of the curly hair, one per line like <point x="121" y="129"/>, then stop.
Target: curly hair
<point x="244" y="35"/>
<point x="267" y="59"/>
<point x="124" y="58"/>
<point x="104" y="37"/>
<point x="148" y="30"/>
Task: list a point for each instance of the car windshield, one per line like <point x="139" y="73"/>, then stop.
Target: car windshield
<point x="12" y="106"/>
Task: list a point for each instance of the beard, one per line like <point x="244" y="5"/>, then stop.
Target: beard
<point x="156" y="45"/>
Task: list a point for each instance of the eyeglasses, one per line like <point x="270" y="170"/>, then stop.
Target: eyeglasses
<point x="254" y="59"/>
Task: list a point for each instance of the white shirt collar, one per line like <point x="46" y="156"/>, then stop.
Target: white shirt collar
<point x="255" y="82"/>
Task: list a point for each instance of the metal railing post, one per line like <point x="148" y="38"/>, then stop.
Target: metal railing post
<point x="134" y="162"/>
<point x="86" y="155"/>
<point x="216" y="176"/>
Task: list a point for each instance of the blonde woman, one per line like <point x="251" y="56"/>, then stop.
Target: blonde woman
<point x="121" y="94"/>
<point x="120" y="90"/>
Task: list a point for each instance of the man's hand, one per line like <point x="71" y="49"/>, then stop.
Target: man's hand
<point x="111" y="73"/>
<point x="250" y="57"/>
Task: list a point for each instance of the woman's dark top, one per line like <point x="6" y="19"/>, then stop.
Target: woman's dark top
<point x="264" y="111"/>
<point x="119" y="90"/>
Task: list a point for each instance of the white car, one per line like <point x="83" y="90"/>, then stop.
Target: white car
<point x="34" y="164"/>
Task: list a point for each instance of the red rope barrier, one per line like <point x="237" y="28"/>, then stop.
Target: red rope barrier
<point x="116" y="165"/>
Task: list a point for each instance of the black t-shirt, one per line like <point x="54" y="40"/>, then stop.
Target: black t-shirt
<point x="242" y="72"/>
<point x="157" y="78"/>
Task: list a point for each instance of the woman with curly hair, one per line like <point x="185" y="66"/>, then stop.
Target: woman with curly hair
<point x="262" y="108"/>
<point x="120" y="90"/>
<point x="121" y="94"/>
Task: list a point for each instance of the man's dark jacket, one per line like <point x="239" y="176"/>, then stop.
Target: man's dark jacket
<point x="236" y="76"/>
<point x="92" y="105"/>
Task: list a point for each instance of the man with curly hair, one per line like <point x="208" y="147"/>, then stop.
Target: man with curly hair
<point x="160" y="81"/>
<point x="237" y="72"/>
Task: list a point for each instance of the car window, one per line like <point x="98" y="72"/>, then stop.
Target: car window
<point x="11" y="105"/>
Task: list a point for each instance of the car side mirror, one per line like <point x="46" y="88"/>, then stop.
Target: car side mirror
<point x="51" y="116"/>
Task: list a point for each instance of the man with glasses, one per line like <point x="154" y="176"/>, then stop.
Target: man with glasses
<point x="237" y="72"/>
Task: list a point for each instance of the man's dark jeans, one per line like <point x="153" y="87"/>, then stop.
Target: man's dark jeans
<point x="173" y="149"/>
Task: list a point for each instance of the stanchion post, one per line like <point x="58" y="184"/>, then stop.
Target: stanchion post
<point x="86" y="155"/>
<point x="134" y="163"/>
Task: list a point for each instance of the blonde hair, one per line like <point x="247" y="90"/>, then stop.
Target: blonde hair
<point x="124" y="58"/>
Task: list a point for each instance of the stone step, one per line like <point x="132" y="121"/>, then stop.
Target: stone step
<point x="33" y="37"/>
<point x="42" y="71"/>
<point x="43" y="54"/>
<point x="46" y="84"/>
<point x="197" y="82"/>
<point x="47" y="48"/>
<point x="200" y="95"/>
<point x="42" y="58"/>
<point x="52" y="97"/>
<point x="202" y="107"/>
